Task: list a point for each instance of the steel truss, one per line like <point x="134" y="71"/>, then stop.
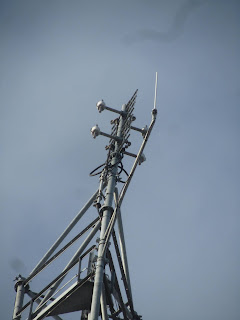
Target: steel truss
<point x="95" y="291"/>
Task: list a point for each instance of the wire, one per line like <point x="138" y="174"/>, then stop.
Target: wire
<point x="95" y="174"/>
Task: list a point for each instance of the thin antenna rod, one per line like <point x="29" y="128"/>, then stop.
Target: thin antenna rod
<point x="155" y="98"/>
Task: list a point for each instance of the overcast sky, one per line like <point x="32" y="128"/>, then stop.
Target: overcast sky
<point x="181" y="213"/>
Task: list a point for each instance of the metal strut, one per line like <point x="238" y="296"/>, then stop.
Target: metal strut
<point x="106" y="215"/>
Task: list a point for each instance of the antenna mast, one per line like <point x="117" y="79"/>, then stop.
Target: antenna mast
<point x="95" y="289"/>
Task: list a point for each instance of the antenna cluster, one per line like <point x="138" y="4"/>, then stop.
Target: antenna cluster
<point x="126" y="117"/>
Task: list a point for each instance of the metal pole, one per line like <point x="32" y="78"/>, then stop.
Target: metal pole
<point x="103" y="305"/>
<point x="19" y="297"/>
<point x="122" y="243"/>
<point x="65" y="232"/>
<point x="107" y="212"/>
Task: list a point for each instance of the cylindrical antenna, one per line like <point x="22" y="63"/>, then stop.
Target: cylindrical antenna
<point x="155" y="98"/>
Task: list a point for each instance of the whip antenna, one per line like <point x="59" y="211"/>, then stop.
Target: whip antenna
<point x="155" y="97"/>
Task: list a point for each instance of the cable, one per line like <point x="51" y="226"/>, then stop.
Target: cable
<point x="95" y="174"/>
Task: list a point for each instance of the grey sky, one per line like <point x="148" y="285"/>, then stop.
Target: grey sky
<point x="181" y="214"/>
